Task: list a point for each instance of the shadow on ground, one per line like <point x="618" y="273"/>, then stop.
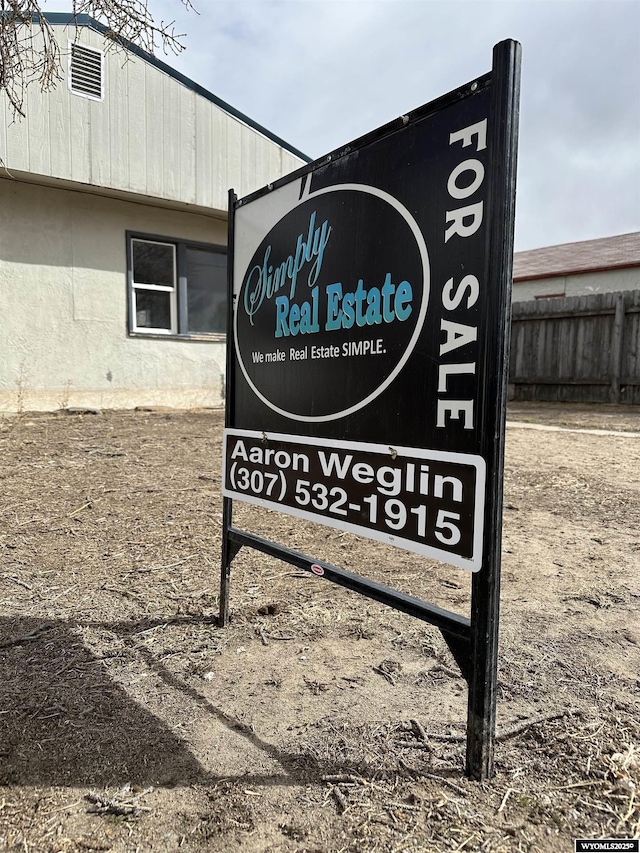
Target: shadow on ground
<point x="64" y="721"/>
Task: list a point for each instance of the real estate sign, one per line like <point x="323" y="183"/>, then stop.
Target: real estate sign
<point x="361" y="323"/>
<point x="369" y="330"/>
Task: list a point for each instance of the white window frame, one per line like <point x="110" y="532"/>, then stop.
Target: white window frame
<point x="179" y="291"/>
<point x="73" y="91"/>
<point x="171" y="289"/>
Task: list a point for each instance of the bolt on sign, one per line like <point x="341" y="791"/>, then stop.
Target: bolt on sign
<point x="367" y="356"/>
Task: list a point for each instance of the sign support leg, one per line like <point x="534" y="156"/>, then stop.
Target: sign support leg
<point x="228" y="552"/>
<point x="227" y="557"/>
<point x="485" y="589"/>
<point x="481" y="708"/>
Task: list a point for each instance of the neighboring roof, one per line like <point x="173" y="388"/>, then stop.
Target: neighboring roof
<point x="67" y="19"/>
<point x="607" y="253"/>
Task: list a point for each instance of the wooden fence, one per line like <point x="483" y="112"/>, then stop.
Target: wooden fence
<point x="580" y="349"/>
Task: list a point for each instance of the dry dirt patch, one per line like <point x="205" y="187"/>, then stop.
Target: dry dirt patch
<point x="318" y="721"/>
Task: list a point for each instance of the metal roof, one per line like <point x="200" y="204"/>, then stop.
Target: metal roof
<point x="67" y="19"/>
<point x="606" y="253"/>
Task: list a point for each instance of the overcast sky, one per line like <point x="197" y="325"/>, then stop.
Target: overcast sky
<point x="320" y="73"/>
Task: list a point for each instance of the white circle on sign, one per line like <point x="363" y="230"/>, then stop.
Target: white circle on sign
<point x="424" y="259"/>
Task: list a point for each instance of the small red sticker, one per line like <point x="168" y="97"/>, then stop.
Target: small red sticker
<point x="317" y="570"/>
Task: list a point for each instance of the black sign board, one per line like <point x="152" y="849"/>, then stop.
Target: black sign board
<point x="367" y="355"/>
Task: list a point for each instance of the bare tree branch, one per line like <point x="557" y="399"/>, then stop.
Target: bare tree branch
<point x="131" y="20"/>
<point x="30" y="53"/>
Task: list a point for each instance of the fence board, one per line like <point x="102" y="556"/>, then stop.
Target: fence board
<point x="581" y="349"/>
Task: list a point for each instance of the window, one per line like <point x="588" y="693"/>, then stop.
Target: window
<point x="86" y="67"/>
<point x="176" y="288"/>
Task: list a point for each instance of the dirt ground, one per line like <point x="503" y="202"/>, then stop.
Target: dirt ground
<point x="319" y="721"/>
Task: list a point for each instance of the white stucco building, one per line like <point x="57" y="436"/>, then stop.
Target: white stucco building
<point x="113" y="230"/>
<point x="606" y="265"/>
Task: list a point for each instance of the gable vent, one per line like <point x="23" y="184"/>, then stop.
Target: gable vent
<point x="86" y="72"/>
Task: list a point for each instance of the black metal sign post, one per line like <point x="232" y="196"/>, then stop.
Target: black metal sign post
<point x="367" y="357"/>
<point x="485" y="588"/>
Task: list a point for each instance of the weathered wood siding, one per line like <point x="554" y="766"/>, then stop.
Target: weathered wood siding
<point x="581" y="349"/>
<point x="151" y="135"/>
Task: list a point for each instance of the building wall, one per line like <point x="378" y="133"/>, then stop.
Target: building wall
<point x="582" y="284"/>
<point x="151" y="135"/>
<point x="63" y="287"/>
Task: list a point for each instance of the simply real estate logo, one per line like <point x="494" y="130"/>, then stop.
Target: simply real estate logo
<point x="315" y="297"/>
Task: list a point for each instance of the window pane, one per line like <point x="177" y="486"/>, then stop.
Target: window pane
<point x="153" y="309"/>
<point x="206" y="291"/>
<point x="153" y="263"/>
